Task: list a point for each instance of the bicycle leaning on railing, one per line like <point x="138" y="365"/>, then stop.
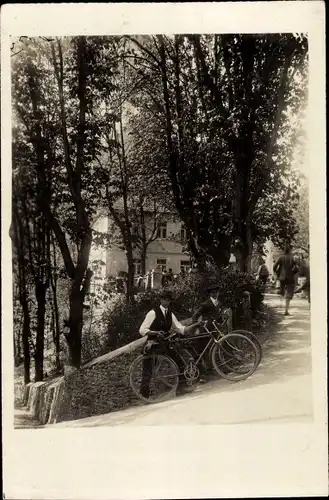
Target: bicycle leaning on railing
<point x="234" y="356"/>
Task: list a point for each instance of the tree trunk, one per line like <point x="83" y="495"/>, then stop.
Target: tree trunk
<point x="244" y="248"/>
<point x="131" y="272"/>
<point x="26" y="336"/>
<point x="53" y="283"/>
<point x="74" y="337"/>
<point x="143" y="239"/>
<point x="57" y="331"/>
<point x="18" y="344"/>
<point x="16" y="360"/>
<point x="40" y="338"/>
<point x="248" y="249"/>
<point x="18" y="241"/>
<point x="17" y="354"/>
<point x="143" y="261"/>
<point x="79" y="274"/>
<point x="221" y="253"/>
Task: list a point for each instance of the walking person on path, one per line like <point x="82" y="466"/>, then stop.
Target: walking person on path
<point x="285" y="268"/>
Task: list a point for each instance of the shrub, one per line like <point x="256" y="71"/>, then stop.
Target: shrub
<point x="94" y="334"/>
<point x="123" y="320"/>
<point x="94" y="341"/>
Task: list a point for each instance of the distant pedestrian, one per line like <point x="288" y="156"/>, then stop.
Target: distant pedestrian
<point x="263" y="274"/>
<point x="170" y="277"/>
<point x="120" y="287"/>
<point x="306" y="286"/>
<point x="285" y="269"/>
<point x="164" y="278"/>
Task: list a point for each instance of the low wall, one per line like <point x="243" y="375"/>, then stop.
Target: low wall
<point x="42" y="399"/>
<point x="99" y="387"/>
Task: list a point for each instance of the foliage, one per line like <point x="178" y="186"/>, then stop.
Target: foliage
<point x="301" y="214"/>
<point x="220" y="120"/>
<point x="58" y="90"/>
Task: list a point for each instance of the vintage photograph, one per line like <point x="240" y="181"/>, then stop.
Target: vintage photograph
<point x="160" y="230"/>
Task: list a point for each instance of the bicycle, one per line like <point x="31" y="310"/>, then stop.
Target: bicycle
<point x="245" y="333"/>
<point x="234" y="356"/>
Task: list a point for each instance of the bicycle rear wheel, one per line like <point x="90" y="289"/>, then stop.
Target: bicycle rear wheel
<point x="153" y="377"/>
<point x="255" y="341"/>
<point x="235" y="357"/>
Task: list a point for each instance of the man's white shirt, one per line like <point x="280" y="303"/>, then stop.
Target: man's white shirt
<point x="150" y="317"/>
<point x="214" y="301"/>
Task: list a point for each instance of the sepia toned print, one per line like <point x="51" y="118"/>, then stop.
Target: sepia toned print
<point x="160" y="230"/>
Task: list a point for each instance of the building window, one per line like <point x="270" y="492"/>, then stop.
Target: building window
<point x="185" y="265"/>
<point x="162" y="264"/>
<point x="162" y="230"/>
<point x="183" y="233"/>
<point x="137" y="267"/>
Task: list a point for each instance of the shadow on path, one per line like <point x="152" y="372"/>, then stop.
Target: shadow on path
<point x="286" y="353"/>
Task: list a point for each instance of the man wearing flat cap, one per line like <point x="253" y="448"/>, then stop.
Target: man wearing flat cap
<point x="210" y="308"/>
<point x="162" y="319"/>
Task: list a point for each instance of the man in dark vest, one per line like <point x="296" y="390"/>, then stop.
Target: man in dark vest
<point x="159" y="320"/>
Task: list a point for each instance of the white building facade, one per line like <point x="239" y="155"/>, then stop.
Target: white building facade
<point x="164" y="253"/>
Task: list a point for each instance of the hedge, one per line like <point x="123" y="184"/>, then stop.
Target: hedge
<point x="123" y="320"/>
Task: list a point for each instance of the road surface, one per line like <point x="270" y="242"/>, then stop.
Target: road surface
<point x="280" y="391"/>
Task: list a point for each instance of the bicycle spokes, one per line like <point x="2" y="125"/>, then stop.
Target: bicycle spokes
<point x="235" y="357"/>
<point x="153" y="377"/>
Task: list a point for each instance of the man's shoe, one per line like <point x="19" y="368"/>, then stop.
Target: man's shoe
<point x="184" y="389"/>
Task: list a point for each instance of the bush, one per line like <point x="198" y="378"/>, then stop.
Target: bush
<point x="123" y="320"/>
<point x="94" y="334"/>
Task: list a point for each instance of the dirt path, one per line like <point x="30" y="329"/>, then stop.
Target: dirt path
<point x="280" y="390"/>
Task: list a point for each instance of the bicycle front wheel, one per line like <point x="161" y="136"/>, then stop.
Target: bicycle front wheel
<point x="235" y="357"/>
<point x="254" y="339"/>
<point x="153" y="377"/>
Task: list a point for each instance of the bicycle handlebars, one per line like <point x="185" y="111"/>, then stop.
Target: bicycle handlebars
<point x="170" y="336"/>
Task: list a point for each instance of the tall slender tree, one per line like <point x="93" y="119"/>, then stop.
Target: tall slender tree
<point x="70" y="78"/>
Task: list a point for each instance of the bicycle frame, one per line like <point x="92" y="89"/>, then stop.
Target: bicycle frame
<point x="212" y="340"/>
